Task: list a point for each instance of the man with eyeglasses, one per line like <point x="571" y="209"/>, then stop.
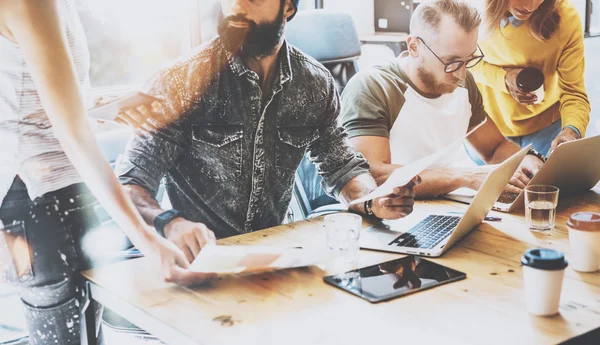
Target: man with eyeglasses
<point x="426" y="100"/>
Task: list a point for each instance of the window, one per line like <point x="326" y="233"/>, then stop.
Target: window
<point x="209" y="16"/>
<point x="130" y="40"/>
<point x="307" y="5"/>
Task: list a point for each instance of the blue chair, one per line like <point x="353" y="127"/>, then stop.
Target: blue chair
<point x="330" y="38"/>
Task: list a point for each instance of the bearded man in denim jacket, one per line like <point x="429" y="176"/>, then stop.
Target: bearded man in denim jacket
<point x="237" y="118"/>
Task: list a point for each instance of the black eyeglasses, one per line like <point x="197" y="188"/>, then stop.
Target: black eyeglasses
<point x="456" y="65"/>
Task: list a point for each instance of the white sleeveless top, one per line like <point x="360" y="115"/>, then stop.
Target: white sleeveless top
<point x="425" y="126"/>
<point x="29" y="147"/>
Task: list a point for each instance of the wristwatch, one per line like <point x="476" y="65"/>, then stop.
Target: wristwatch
<point x="537" y="154"/>
<point x="368" y="207"/>
<point x="161" y="221"/>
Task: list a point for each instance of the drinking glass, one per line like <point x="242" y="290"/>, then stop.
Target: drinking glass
<point x="540" y="207"/>
<point x="343" y="232"/>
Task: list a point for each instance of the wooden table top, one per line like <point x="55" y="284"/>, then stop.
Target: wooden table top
<point x="296" y="307"/>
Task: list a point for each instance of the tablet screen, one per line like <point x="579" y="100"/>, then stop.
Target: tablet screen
<point x="394" y="278"/>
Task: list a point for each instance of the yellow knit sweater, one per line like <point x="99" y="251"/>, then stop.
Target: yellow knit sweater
<point x="560" y="59"/>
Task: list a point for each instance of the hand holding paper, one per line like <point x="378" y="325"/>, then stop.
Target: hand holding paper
<point x="226" y="260"/>
<point x="133" y="102"/>
<point x="399" y="203"/>
<point x="402" y="176"/>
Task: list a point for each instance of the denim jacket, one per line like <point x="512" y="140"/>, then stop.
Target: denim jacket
<point x="229" y="159"/>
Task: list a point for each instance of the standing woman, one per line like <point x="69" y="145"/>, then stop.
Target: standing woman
<point x="546" y="35"/>
<point x="48" y="157"/>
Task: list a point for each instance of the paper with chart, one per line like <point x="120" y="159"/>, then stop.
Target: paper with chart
<point x="403" y="175"/>
<point x="226" y="260"/>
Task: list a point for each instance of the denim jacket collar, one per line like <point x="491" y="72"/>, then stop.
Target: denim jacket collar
<point x="285" y="70"/>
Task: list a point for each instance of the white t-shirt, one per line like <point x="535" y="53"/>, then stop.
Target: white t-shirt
<point x="383" y="102"/>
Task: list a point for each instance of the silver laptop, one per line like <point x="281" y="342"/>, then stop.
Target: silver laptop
<point x="433" y="234"/>
<point x="574" y="168"/>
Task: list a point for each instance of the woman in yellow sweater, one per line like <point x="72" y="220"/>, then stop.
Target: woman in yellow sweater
<point x="546" y="35"/>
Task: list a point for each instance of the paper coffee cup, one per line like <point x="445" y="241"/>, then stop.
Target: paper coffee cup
<point x="540" y="94"/>
<point x="543" y="275"/>
<point x="531" y="80"/>
<point x="584" y="238"/>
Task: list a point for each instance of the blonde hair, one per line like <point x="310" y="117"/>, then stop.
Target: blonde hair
<point x="542" y="23"/>
<point x="430" y="14"/>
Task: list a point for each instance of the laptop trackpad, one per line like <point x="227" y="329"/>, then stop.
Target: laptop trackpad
<point x="388" y="230"/>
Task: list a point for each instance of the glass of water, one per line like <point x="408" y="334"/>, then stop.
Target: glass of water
<point x="540" y="207"/>
<point x="343" y="232"/>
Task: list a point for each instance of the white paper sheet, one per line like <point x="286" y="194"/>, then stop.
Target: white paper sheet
<point x="464" y="192"/>
<point x="225" y="260"/>
<point x="403" y="175"/>
<point x="109" y="111"/>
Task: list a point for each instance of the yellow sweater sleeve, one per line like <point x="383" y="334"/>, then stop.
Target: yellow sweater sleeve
<point x="490" y="75"/>
<point x="574" y="103"/>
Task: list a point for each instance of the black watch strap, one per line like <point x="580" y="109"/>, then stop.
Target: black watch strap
<point x="161" y="221"/>
<point x="537" y="154"/>
<point x="368" y="208"/>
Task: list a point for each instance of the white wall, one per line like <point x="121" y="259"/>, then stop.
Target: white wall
<point x="580" y="6"/>
<point x="307" y="5"/>
<point x="595" y="17"/>
<point x="361" y="11"/>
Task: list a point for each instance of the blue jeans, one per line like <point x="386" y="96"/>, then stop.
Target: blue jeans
<point x="540" y="140"/>
<point x="53" y="228"/>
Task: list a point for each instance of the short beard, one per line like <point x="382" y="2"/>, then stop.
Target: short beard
<point x="432" y="85"/>
<point x="255" y="41"/>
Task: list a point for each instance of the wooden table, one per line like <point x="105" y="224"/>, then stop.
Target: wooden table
<point x="296" y="307"/>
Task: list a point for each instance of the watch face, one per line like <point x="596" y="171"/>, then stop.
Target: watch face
<point x="164" y="218"/>
<point x="167" y="214"/>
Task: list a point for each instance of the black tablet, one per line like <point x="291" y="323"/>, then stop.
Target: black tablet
<point x="394" y="278"/>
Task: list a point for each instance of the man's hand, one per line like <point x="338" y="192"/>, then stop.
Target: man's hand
<point x="190" y="237"/>
<point x="175" y="266"/>
<point x="564" y="136"/>
<point x="527" y="98"/>
<point x="399" y="204"/>
<point x="527" y="170"/>
<point x="133" y="116"/>
<point x="138" y="116"/>
<point x="473" y="178"/>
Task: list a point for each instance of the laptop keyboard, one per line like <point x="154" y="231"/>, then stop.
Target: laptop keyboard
<point x="428" y="233"/>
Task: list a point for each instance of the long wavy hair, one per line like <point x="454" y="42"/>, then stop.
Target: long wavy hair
<point x="543" y="22"/>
